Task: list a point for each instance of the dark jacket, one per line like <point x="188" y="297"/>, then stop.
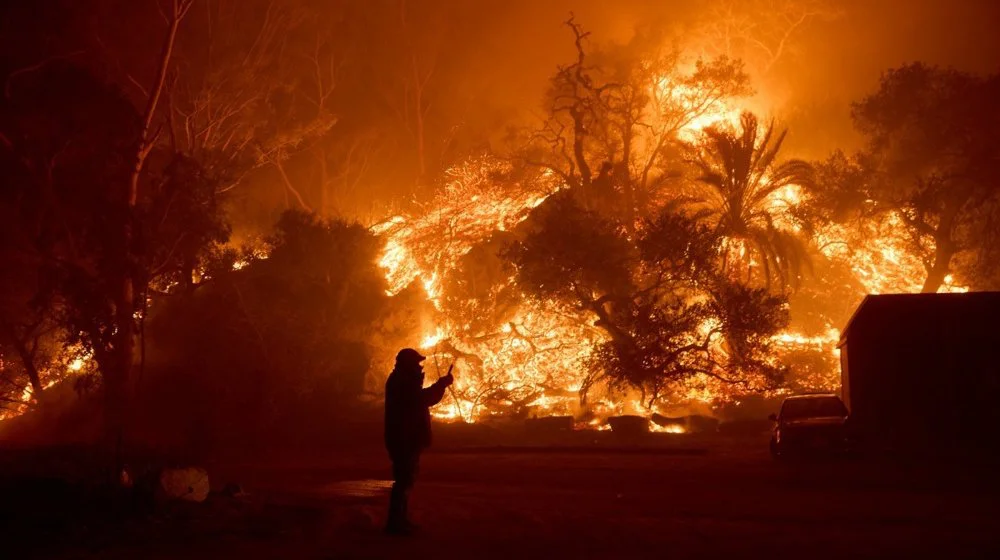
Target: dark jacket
<point x="407" y="410"/>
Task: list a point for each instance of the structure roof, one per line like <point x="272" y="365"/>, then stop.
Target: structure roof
<point x="975" y="314"/>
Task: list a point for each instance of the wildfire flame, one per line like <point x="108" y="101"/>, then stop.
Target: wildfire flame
<point x="73" y="360"/>
<point x="885" y="264"/>
<point x="668" y="429"/>
<point x="532" y="360"/>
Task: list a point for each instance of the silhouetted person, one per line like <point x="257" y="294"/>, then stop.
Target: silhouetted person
<point x="407" y="429"/>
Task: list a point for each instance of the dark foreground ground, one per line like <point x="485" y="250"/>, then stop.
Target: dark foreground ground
<point x="680" y="498"/>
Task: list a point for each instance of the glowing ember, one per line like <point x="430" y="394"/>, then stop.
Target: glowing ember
<point x="668" y="429"/>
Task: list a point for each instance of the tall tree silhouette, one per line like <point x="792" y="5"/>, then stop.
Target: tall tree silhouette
<point x="740" y="173"/>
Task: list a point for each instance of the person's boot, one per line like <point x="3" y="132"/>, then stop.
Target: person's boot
<point x="411" y="527"/>
<point x="397" y="523"/>
<point x="400" y="529"/>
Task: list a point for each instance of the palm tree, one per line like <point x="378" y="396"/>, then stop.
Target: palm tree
<point x="741" y="176"/>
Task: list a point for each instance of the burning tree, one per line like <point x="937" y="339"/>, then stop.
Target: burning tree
<point x="916" y="209"/>
<point x="544" y="297"/>
<point x="666" y="310"/>
<point x="508" y="354"/>
<point x="744" y="183"/>
<point x="35" y="350"/>
<point x="851" y="230"/>
<point x="932" y="140"/>
<point x="614" y="120"/>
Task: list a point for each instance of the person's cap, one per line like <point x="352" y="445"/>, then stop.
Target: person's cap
<point x="409" y="355"/>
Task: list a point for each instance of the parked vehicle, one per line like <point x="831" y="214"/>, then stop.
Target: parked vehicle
<point x="810" y="424"/>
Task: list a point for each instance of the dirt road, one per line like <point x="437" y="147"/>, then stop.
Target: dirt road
<point x="728" y="499"/>
<point x="722" y="499"/>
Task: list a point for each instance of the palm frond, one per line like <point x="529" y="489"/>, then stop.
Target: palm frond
<point x="741" y="171"/>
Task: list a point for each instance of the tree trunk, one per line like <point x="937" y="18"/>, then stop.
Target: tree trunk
<point x="939" y="270"/>
<point x="118" y="376"/>
<point x="324" y="183"/>
<point x="944" y="247"/>
<point x="117" y="380"/>
<point x="626" y="178"/>
<point x="189" y="267"/>
<point x="421" y="141"/>
<point x="288" y="185"/>
<point x="579" y="133"/>
<point x="27" y="359"/>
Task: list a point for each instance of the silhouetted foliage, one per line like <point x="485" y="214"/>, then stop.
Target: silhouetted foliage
<point x="68" y="152"/>
<point x="573" y="251"/>
<point x="667" y="310"/>
<point x="266" y="350"/>
<point x="479" y="295"/>
<point x="614" y="118"/>
<point x="932" y="139"/>
<point x="182" y="217"/>
<point x="840" y="192"/>
<point x="741" y="173"/>
<point x="68" y="140"/>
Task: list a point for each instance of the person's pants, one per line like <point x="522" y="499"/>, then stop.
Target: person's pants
<point x="404" y="474"/>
